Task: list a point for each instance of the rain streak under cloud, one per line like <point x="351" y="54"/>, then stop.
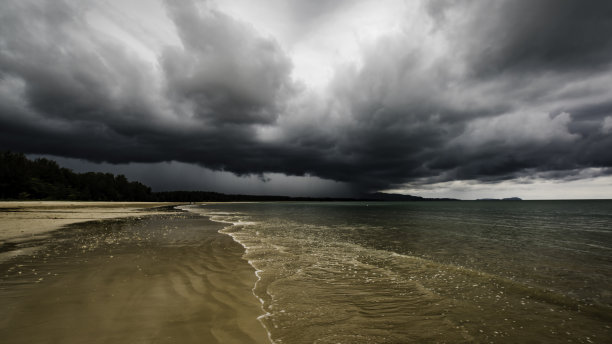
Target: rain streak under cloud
<point x="443" y="98"/>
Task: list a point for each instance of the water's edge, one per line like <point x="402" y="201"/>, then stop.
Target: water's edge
<point x="335" y="273"/>
<point x="257" y="272"/>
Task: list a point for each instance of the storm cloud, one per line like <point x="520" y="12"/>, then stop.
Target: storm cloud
<point x="454" y="91"/>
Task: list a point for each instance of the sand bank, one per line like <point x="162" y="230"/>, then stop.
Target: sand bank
<point x="168" y="278"/>
<point x="27" y="219"/>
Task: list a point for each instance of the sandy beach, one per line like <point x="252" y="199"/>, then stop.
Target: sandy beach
<point x="26" y="219"/>
<point x="122" y="273"/>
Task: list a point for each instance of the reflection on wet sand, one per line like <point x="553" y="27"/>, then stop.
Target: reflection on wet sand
<point x="166" y="278"/>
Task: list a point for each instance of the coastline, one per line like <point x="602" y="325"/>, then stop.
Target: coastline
<point x="125" y="272"/>
<point x="226" y="230"/>
<point x="393" y="273"/>
<point x="23" y="219"/>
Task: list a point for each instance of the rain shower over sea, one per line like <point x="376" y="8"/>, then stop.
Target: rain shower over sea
<point x="428" y="272"/>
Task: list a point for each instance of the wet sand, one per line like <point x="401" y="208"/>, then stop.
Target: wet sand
<point x="168" y="278"/>
<point x="32" y="218"/>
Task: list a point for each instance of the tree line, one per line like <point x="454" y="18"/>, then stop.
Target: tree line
<point x="44" y="179"/>
<point x="24" y="179"/>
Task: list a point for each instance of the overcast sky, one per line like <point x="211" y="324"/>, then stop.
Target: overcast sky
<point x="438" y="98"/>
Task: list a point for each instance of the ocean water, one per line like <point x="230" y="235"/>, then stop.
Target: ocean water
<point x="420" y="272"/>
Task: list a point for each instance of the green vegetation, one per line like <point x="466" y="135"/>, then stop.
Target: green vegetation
<point x="24" y="179"/>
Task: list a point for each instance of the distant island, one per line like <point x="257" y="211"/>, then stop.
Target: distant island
<point x="390" y="197"/>
<point x="502" y="199"/>
<point x="44" y="179"/>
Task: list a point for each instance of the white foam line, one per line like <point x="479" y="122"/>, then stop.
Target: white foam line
<point x="246" y="249"/>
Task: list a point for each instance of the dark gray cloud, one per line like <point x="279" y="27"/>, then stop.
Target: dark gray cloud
<point x="224" y="72"/>
<point x="525" y="90"/>
<point x="518" y="88"/>
<point x="173" y="175"/>
<point x="529" y="36"/>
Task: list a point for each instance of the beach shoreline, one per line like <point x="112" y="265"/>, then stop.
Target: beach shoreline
<point x="124" y="273"/>
<point x="226" y="230"/>
<point x="24" y="219"/>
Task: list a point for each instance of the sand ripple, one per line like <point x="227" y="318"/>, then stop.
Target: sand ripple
<point x="166" y="279"/>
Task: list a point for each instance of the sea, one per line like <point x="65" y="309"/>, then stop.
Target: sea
<point x="428" y="272"/>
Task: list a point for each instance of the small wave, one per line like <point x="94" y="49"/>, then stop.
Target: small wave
<point x="227" y="217"/>
<point x="323" y="276"/>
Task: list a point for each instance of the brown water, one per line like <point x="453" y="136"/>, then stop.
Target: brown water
<point x="164" y="279"/>
<point x="452" y="272"/>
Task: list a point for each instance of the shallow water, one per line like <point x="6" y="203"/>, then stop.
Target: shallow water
<point x="447" y="272"/>
<point x="162" y="279"/>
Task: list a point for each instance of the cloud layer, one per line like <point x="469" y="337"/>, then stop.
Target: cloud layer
<point x="460" y="90"/>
